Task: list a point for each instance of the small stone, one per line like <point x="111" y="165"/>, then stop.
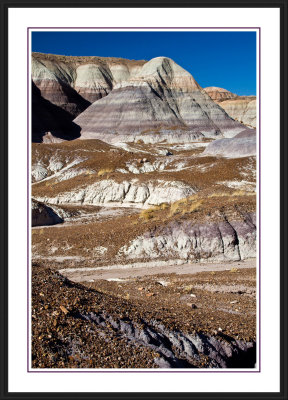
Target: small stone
<point x="163" y="283"/>
<point x="192" y="305"/>
<point x="233" y="302"/>
<point x="64" y="310"/>
<point x="140" y="288"/>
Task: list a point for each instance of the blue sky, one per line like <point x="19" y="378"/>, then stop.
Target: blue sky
<point x="223" y="59"/>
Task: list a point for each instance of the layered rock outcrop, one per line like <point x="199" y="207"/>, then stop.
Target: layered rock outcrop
<point x="240" y="108"/>
<point x="127" y="193"/>
<point x="63" y="87"/>
<point x="219" y="94"/>
<point x="73" y="83"/>
<point x="215" y="241"/>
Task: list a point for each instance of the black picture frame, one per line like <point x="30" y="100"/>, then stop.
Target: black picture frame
<point x="5" y="6"/>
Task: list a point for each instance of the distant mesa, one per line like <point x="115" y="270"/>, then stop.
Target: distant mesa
<point x="219" y="94"/>
<point x="240" y="108"/>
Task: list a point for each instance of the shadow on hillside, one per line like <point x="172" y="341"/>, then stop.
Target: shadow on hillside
<point x="47" y="117"/>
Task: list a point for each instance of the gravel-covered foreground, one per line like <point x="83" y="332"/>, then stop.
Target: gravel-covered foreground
<point x="206" y="320"/>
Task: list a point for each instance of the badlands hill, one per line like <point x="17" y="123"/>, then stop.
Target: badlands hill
<point x="64" y="86"/>
<point x="240" y="108"/>
<point x="219" y="94"/>
<point x="115" y="99"/>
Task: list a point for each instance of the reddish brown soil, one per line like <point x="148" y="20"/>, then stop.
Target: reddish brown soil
<point x="63" y="339"/>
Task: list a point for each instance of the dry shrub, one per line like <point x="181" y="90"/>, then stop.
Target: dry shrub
<point x="163" y="206"/>
<point x="152" y="212"/>
<point x="147" y="214"/>
<point x="105" y="171"/>
<point x="184" y="206"/>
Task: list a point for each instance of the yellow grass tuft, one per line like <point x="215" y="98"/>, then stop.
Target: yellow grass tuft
<point x="147" y="214"/>
<point x="219" y="194"/>
<point x="152" y="212"/>
<point x="163" y="206"/>
<point x="105" y="171"/>
<point x="174" y="209"/>
<point x="184" y="206"/>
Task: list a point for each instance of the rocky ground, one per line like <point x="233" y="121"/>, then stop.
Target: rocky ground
<point x="151" y="263"/>
<point x="134" y="202"/>
<point x="205" y="320"/>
